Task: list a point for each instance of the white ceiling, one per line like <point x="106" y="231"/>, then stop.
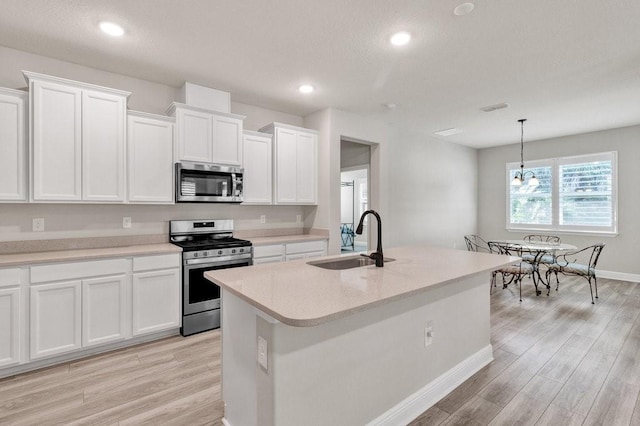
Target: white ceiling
<point x="568" y="66"/>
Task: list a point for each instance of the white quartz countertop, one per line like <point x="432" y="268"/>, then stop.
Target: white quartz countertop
<point x="299" y="294"/>
<point x="86" y="254"/>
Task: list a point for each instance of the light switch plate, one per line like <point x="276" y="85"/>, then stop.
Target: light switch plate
<point x="262" y="353"/>
<point x="126" y="222"/>
<point x="263" y="218"/>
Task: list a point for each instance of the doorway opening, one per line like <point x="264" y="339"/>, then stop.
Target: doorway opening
<point x="354" y="195"/>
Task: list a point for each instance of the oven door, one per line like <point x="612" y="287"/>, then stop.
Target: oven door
<point x="200" y="294"/>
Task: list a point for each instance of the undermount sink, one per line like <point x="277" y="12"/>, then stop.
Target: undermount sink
<point x="346" y="262"/>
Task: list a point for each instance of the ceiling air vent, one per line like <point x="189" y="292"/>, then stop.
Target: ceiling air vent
<point x="447" y="132"/>
<point x="495" y="107"/>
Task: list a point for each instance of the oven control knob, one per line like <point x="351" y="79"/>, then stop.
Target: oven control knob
<point x="195" y="254"/>
<point x="219" y="251"/>
<point x="205" y="254"/>
<point x="241" y="250"/>
<point x="233" y="251"/>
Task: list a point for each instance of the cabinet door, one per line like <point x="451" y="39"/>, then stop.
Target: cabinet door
<point x="195" y="136"/>
<point x="104" y="313"/>
<point x="56" y="320"/>
<point x="156" y="301"/>
<point x="285" y="166"/>
<point x="13" y="159"/>
<point x="103" y="139"/>
<point x="257" y="170"/>
<point x="9" y="326"/>
<point x="57" y="144"/>
<point x="150" y="159"/>
<point x="227" y="137"/>
<point x="307" y="166"/>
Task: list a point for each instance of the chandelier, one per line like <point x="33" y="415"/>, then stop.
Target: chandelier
<point x="518" y="179"/>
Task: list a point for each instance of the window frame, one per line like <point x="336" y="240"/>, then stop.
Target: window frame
<point x="555" y="164"/>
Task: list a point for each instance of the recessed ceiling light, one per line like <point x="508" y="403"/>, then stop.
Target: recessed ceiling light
<point x="390" y="105"/>
<point x="306" y="88"/>
<point x="447" y="132"/>
<point x="463" y="9"/>
<point x="112" y="29"/>
<point x="400" y="39"/>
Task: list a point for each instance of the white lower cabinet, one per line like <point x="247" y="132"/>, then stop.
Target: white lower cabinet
<point x="10" y="317"/>
<point x="55" y="318"/>
<point x="306" y="250"/>
<point x="156" y="293"/>
<point x="268" y="254"/>
<point x="104" y="313"/>
<point x="289" y="251"/>
<point x="156" y="301"/>
<point x="78" y="305"/>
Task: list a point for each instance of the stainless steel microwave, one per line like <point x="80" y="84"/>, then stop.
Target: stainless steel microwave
<point x="208" y="183"/>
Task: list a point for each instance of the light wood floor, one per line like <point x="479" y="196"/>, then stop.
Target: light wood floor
<point x="558" y="361"/>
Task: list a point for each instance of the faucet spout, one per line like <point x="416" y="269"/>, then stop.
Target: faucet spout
<point x="377" y="255"/>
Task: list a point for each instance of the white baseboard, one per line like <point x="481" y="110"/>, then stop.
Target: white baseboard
<point x="414" y="405"/>
<point x="622" y="276"/>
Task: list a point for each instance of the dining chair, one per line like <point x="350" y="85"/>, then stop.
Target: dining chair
<point x="545" y="259"/>
<point x="515" y="272"/>
<point x="581" y="263"/>
<point x="477" y="244"/>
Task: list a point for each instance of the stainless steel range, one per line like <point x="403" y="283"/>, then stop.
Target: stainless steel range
<point x="206" y="245"/>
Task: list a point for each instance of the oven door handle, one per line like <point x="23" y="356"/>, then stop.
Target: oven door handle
<point x="217" y="260"/>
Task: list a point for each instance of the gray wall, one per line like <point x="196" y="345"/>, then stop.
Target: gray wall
<point x="621" y="253"/>
<point x="432" y="190"/>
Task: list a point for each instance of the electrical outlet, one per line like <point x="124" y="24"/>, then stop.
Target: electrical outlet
<point x="455" y="245"/>
<point x="428" y="334"/>
<point x="298" y="218"/>
<point x="263" y="359"/>
<point x="38" y="224"/>
<point x="126" y="222"/>
<point x="263" y="219"/>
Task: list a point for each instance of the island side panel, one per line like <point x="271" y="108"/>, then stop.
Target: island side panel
<point x="355" y="369"/>
<point x="238" y="363"/>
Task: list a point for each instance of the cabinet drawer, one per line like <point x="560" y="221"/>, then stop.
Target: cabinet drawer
<point x="163" y="261"/>
<point x="271" y="259"/>
<point x="67" y="271"/>
<point x="307" y="246"/>
<point x="9" y="277"/>
<point x="266" y="251"/>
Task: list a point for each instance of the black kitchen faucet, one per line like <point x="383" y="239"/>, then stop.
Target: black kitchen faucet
<point x="376" y="255"/>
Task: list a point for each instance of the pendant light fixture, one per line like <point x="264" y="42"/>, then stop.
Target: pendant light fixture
<point x="518" y="179"/>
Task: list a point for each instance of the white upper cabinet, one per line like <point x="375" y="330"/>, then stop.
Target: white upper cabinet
<point x="77" y="139"/>
<point x="103" y="144"/>
<point x="207" y="136"/>
<point x="257" y="162"/>
<point x="13" y="145"/>
<point x="150" y="158"/>
<point x="295" y="156"/>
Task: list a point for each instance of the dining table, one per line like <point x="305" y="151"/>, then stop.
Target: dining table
<point x="538" y="249"/>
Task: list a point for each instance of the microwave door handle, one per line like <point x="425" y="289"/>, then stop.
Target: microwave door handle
<point x="233" y="185"/>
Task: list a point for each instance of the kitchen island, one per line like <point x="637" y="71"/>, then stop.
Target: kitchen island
<point x="367" y="345"/>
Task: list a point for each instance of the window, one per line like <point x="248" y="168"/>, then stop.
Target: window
<point x="576" y="194"/>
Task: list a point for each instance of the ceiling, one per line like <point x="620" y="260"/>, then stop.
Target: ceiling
<point x="569" y="66"/>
